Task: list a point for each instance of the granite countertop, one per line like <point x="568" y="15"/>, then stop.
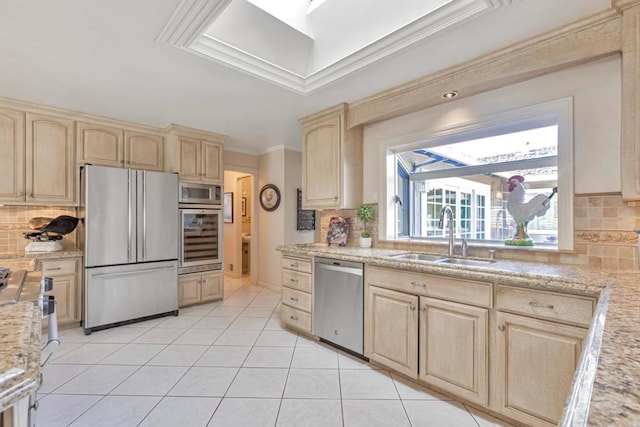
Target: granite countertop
<point x="606" y="387"/>
<point x="70" y="252"/>
<point x="20" y="328"/>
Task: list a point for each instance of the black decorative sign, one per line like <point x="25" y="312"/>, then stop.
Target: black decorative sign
<point x="306" y="218"/>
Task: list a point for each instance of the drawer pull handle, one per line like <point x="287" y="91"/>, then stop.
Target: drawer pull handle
<point x="293" y="280"/>
<point x="293" y="299"/>
<point x="54" y="268"/>
<point x="501" y="327"/>
<point x="412" y="308"/>
<point x="293" y="318"/>
<point x="535" y="304"/>
<point x="424" y="285"/>
<point x="294" y="265"/>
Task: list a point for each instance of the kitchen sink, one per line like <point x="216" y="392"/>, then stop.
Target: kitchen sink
<point x="419" y="257"/>
<point x="464" y="261"/>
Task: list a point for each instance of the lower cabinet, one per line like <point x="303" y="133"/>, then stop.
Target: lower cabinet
<point x="391" y="330"/>
<point x="198" y="288"/>
<point x="453" y="348"/>
<point x="536" y="362"/>
<point x="66" y="288"/>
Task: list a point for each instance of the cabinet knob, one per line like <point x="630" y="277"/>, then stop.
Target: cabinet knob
<point x="412" y="308"/>
<point x="293" y="299"/>
<point x="29" y="194"/>
<point x="501" y="327"/>
<point x="335" y="197"/>
<point x="293" y="280"/>
<point x="293" y="318"/>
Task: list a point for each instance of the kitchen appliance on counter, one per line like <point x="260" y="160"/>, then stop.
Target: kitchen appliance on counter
<point x="46" y="235"/>
<point x="339" y="303"/>
<point x="200" y="228"/>
<point x="130" y="242"/>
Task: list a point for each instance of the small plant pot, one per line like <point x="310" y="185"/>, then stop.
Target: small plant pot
<point x="365" y="242"/>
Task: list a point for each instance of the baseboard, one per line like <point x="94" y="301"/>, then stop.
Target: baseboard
<point x="268" y="286"/>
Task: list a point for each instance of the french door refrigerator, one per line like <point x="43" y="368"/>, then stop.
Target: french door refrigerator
<point x="130" y="236"/>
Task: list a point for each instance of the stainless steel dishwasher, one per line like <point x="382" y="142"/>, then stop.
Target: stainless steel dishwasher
<point x="339" y="303"/>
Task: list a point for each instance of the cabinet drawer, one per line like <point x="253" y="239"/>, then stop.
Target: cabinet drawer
<point x="296" y="318"/>
<point x="58" y="267"/>
<point x="295" y="280"/>
<point x="297" y="264"/>
<point x="296" y="299"/>
<point x="458" y="290"/>
<point x="546" y="305"/>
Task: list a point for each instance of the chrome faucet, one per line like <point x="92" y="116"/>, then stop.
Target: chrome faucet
<point x="447" y="211"/>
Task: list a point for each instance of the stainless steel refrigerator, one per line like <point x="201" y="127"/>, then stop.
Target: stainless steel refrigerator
<point x="130" y="242"/>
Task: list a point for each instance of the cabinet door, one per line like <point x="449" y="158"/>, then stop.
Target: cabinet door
<point x="144" y="151"/>
<point x="64" y="291"/>
<point x="50" y="165"/>
<point x="391" y="330"/>
<point x="99" y="145"/>
<point x="212" y="286"/>
<point x="189" y="161"/>
<point x="212" y="169"/>
<point x="321" y="171"/>
<point x="12" y="158"/>
<point x="536" y="363"/>
<point x="453" y="348"/>
<point x="189" y="288"/>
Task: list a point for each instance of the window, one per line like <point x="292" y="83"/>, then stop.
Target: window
<point x="469" y="172"/>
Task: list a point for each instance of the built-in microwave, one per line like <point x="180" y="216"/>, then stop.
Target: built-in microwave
<point x="202" y="194"/>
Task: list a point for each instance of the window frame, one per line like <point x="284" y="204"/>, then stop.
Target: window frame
<point x="558" y="112"/>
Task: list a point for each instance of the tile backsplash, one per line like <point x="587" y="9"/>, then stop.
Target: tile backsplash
<point x="603" y="236"/>
<point x="14" y="222"/>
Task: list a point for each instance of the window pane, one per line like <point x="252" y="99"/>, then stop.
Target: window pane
<point x="479" y="200"/>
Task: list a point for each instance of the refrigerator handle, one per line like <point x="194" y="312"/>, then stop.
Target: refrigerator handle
<point x="144" y="215"/>
<point x="129" y="215"/>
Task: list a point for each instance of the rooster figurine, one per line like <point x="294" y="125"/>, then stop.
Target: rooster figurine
<point x="523" y="212"/>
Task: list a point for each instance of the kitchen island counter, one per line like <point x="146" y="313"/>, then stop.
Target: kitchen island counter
<point x="606" y="388"/>
<point x="20" y="330"/>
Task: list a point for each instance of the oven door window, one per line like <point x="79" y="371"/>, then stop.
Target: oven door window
<point x="201" y="238"/>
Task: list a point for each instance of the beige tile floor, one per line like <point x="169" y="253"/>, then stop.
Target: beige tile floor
<point x="228" y="364"/>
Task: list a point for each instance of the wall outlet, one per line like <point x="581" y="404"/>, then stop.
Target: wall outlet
<point x="230" y="267"/>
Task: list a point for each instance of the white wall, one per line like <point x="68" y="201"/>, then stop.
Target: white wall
<point x="283" y="168"/>
<point x="595" y="88"/>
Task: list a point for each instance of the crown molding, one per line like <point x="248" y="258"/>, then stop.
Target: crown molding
<point x="192" y="17"/>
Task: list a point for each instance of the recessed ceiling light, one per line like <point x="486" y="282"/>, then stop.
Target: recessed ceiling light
<point x="450" y="94"/>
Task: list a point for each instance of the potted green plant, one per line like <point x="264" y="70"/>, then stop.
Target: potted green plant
<point x="365" y="213"/>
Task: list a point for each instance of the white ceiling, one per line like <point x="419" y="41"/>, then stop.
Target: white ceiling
<point x="102" y="57"/>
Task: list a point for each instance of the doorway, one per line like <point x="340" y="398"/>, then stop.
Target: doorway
<point x="239" y="239"/>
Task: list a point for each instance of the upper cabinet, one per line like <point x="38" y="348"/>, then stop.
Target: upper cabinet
<point x="195" y="155"/>
<point x="111" y="146"/>
<point x="331" y="161"/>
<point x="37" y="164"/>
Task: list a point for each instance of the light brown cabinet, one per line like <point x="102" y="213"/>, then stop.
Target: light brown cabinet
<point x="37" y="165"/>
<point x="297" y="293"/>
<point x="67" y="289"/>
<point x="198" y="288"/>
<point x="200" y="160"/>
<point x="391" y="330"/>
<point x="539" y="336"/>
<point x="111" y="146"/>
<point x="331" y="161"/>
<point x="431" y="328"/>
<point x="454" y="348"/>
<point x="12" y="160"/>
<point x="536" y="362"/>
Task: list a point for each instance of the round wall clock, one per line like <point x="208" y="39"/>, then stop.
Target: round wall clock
<point x="269" y="197"/>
